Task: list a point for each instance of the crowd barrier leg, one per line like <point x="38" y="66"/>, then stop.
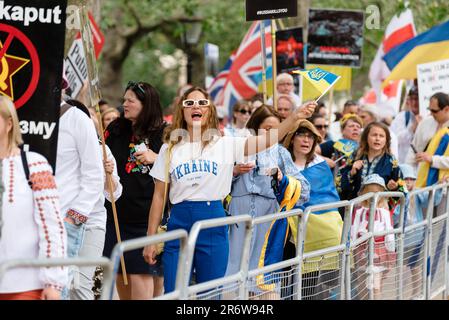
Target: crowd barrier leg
<point x="140" y="243"/>
<point x="216" y="286"/>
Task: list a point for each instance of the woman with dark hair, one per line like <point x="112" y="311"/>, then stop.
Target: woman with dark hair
<point x="252" y="191"/>
<point x="373" y="156"/>
<point x="196" y="164"/>
<point x="135" y="140"/>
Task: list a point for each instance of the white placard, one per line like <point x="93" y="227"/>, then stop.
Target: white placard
<point x="433" y="77"/>
<point x="75" y="67"/>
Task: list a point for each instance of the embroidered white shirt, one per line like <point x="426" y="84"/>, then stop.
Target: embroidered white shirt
<point x="32" y="225"/>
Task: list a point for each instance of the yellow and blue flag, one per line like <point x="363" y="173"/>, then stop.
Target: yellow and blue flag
<point x="321" y="80"/>
<point x="429" y="46"/>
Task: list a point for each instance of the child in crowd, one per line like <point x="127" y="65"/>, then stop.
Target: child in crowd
<point x="384" y="246"/>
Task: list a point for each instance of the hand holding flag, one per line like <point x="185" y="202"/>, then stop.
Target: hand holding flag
<point x="321" y="80"/>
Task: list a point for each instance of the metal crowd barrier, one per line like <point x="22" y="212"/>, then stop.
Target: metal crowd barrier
<point x="323" y="268"/>
<point x="417" y="269"/>
<point x="105" y="263"/>
<point x="216" y="289"/>
<point x="272" y="281"/>
<point x="140" y="243"/>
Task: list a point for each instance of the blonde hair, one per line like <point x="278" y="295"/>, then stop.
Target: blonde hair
<point x="8" y="111"/>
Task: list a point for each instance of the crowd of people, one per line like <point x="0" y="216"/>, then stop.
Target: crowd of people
<point x="195" y="165"/>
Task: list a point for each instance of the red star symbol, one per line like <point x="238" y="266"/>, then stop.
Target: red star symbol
<point x="9" y="66"/>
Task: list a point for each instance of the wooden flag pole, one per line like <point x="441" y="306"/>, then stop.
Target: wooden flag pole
<point x="264" y="60"/>
<point x="274" y="63"/>
<point x="94" y="94"/>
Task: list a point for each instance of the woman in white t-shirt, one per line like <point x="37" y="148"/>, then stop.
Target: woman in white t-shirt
<point x="199" y="163"/>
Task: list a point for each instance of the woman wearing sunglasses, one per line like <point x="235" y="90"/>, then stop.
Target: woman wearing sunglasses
<point x="135" y="140"/>
<point x="322" y="125"/>
<point x="240" y="115"/>
<point x="197" y="163"/>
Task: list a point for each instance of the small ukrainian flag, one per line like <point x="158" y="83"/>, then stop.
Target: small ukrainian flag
<point x="320" y="79"/>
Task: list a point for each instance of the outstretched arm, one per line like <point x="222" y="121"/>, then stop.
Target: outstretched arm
<point x="256" y="144"/>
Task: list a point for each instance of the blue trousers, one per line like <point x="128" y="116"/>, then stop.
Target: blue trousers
<point x="212" y="246"/>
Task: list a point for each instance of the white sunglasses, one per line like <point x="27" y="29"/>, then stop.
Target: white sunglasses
<point x="189" y="103"/>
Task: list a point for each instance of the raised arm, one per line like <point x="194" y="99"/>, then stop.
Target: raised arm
<point x="256" y="144"/>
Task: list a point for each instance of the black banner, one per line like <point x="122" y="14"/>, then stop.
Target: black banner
<point x="289" y="50"/>
<point x="32" y="37"/>
<point x="335" y="37"/>
<point x="270" y="9"/>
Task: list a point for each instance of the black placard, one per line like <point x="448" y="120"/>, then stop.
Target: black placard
<point x="270" y="9"/>
<point x="289" y="50"/>
<point x="335" y="37"/>
<point x="32" y="35"/>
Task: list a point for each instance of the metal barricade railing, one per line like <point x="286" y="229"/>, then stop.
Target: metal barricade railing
<point x="435" y="243"/>
<point x="140" y="243"/>
<point x="268" y="282"/>
<point x="105" y="263"/>
<point x="215" y="288"/>
<point x="360" y="252"/>
<point x="329" y="258"/>
<point x="431" y="241"/>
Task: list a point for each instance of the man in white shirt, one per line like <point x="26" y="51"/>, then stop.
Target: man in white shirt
<point x="335" y="127"/>
<point x="439" y="108"/>
<point x="285" y="85"/>
<point x="405" y="123"/>
<point x="79" y="174"/>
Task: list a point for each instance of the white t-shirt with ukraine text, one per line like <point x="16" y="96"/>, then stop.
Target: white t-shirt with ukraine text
<point x="200" y="175"/>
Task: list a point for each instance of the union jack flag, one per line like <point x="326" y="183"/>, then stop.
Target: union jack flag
<point x="242" y="73"/>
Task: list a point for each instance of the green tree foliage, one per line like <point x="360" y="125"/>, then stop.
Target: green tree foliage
<point x="140" y="33"/>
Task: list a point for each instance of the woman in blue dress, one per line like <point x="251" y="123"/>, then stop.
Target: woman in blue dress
<point x="252" y="192"/>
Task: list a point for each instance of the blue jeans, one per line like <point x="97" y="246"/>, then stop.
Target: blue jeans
<point x="212" y="246"/>
<point x="75" y="237"/>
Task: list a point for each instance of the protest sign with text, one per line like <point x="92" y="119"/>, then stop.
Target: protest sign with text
<point x="433" y="77"/>
<point x="269" y="9"/>
<point x="335" y="37"/>
<point x="31" y="68"/>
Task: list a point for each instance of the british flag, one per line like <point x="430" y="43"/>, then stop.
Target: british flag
<point x="242" y="73"/>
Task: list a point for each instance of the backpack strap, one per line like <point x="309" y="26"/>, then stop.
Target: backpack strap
<point x="64" y="108"/>
<point x="26" y="169"/>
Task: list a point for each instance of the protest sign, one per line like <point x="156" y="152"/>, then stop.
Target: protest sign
<point x="289" y="50"/>
<point x="32" y="66"/>
<point x="335" y="37"/>
<point x="75" y="67"/>
<point x="433" y="77"/>
<point x="269" y="9"/>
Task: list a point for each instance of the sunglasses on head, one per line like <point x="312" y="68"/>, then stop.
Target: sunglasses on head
<point x="135" y="86"/>
<point x="189" y="103"/>
<point x="244" y="111"/>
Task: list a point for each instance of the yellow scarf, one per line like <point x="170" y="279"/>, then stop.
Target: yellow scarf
<point x="424" y="167"/>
